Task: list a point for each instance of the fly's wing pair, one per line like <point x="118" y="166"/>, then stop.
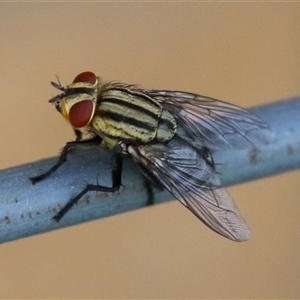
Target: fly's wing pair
<point x="183" y="169"/>
<point x="186" y="174"/>
<point x="217" y="125"/>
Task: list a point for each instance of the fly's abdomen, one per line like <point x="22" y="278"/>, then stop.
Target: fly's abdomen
<point x="166" y="127"/>
<point x="127" y="114"/>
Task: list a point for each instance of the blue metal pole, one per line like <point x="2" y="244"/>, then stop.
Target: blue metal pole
<point x="27" y="209"/>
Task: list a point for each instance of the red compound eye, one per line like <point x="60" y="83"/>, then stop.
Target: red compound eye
<point x="88" y="77"/>
<point x="80" y="113"/>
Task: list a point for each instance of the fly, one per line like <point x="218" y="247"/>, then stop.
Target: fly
<point x="168" y="134"/>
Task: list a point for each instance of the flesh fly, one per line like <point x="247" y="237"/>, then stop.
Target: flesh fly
<point x="168" y="134"/>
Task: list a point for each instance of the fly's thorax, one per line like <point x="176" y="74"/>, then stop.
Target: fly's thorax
<point x="114" y="111"/>
<point x="129" y="114"/>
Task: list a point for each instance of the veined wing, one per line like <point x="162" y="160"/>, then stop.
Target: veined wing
<point x="208" y="122"/>
<point x="189" y="177"/>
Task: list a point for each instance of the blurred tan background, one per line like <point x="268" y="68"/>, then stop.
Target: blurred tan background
<point x="244" y="53"/>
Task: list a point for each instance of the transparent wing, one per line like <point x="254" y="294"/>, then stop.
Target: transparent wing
<point x="187" y="175"/>
<point x="204" y="121"/>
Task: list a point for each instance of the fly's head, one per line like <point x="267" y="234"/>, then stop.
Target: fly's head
<point x="78" y="100"/>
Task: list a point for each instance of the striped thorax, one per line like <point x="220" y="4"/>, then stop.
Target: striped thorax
<point x="114" y="111"/>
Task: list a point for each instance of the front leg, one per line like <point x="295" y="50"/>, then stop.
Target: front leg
<point x="70" y="146"/>
<point x="78" y="134"/>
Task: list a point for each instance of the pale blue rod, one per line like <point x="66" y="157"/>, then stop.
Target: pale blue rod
<point x="27" y="210"/>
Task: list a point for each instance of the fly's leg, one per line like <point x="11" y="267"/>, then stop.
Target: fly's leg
<point x="150" y="183"/>
<point x="149" y="189"/>
<point x="70" y="146"/>
<point x="78" y="135"/>
<point x="117" y="165"/>
<point x="206" y="154"/>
